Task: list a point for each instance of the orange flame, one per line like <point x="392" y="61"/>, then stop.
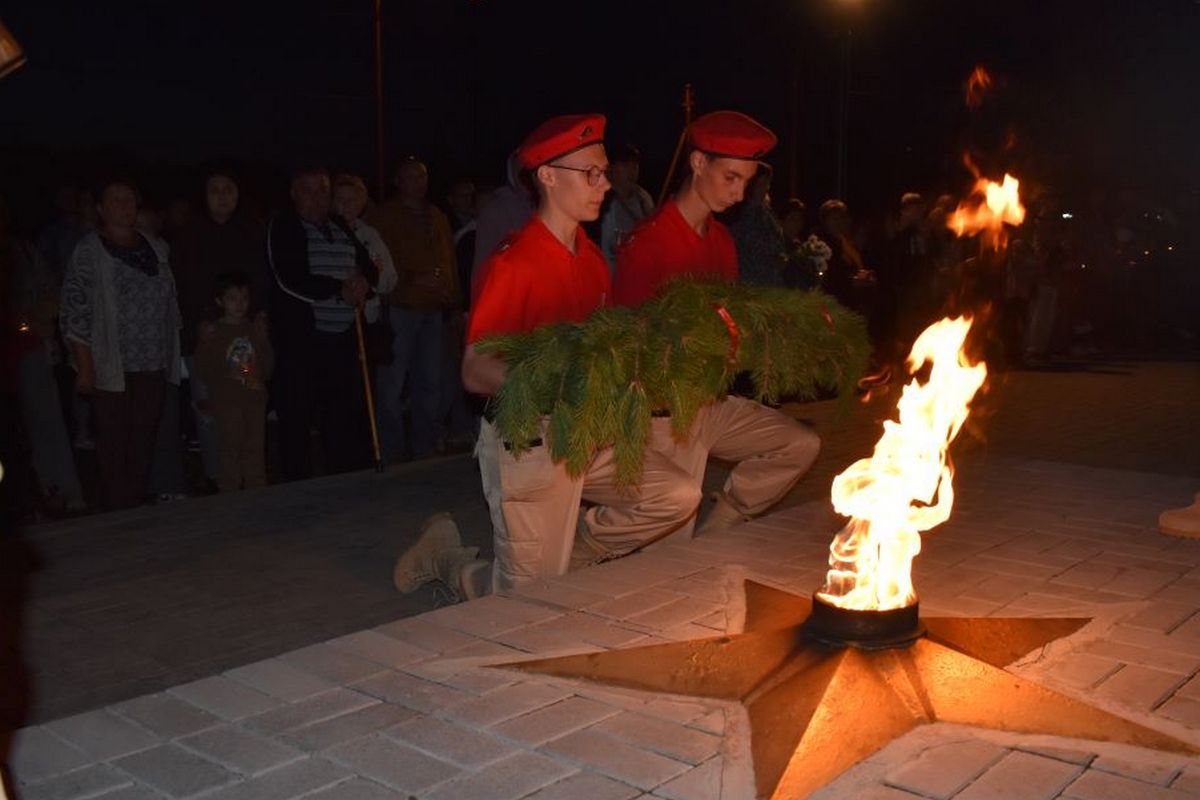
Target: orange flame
<point x="988" y="209"/>
<point x="978" y="84"/>
<point x="905" y="487"/>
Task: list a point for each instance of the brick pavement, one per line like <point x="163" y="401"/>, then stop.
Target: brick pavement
<point x="162" y="609"/>
<point x="410" y="708"/>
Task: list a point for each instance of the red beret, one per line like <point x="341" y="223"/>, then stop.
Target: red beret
<point x="558" y="136"/>
<point x="728" y="134"/>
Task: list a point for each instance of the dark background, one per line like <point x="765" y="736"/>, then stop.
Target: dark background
<point x="1092" y="96"/>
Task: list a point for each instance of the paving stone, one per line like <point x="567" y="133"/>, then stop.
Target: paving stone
<point x="491" y="615"/>
<point x="291" y="780"/>
<point x="357" y="789"/>
<point x="103" y="735"/>
<point x="1036" y="776"/>
<point x="392" y="763"/>
<point x="133" y="792"/>
<point x="1156" y="659"/>
<point x="512" y="778"/>
<point x="1087" y="575"/>
<point x="1154" y="640"/>
<point x="669" y="739"/>
<point x="506" y="703"/>
<point x="1080" y="757"/>
<point x="1139" y="687"/>
<point x="1188" y="781"/>
<point x="322" y="735"/>
<point x="471" y="680"/>
<point x="380" y="648"/>
<point x="336" y="665"/>
<point x="317" y="708"/>
<point x="240" y="750"/>
<point x="1181" y="709"/>
<point x="410" y="691"/>
<point x="38" y="754"/>
<point x="166" y="716"/>
<point x="555" y="720"/>
<point x="1001" y="589"/>
<point x="1149" y="772"/>
<point x="1140" y="582"/>
<point x="586" y="785"/>
<point x="873" y="793"/>
<point x="86" y="782"/>
<point x="427" y="635"/>
<point x="1164" y="617"/>
<point x="677" y="612"/>
<point x="943" y="770"/>
<point x="279" y="679"/>
<point x="1083" y="670"/>
<point x="1097" y="785"/>
<point x="560" y="594"/>
<point x="713" y="722"/>
<point x="225" y="698"/>
<point x="441" y="739"/>
<point x="175" y="771"/>
<point x="616" y="759"/>
<point x="635" y="603"/>
<point x="701" y="783"/>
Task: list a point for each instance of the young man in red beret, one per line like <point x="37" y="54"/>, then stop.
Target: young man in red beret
<point x="548" y="272"/>
<point x="683" y="238"/>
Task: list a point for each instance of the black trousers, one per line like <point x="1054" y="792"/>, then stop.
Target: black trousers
<point x="320" y="386"/>
<point x="126" y="430"/>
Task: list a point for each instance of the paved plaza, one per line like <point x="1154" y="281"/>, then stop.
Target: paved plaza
<point x="251" y="646"/>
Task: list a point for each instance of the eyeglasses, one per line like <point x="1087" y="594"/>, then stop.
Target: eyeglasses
<point x="593" y="173"/>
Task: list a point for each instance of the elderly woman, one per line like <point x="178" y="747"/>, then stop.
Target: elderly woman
<point x="121" y="321"/>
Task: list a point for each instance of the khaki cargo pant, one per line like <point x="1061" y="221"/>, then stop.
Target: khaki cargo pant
<point x="772" y="452"/>
<point x="535" y="509"/>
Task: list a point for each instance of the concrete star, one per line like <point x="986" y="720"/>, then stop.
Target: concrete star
<point x="803" y="696"/>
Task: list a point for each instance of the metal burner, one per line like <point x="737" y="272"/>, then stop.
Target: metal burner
<point x="864" y="629"/>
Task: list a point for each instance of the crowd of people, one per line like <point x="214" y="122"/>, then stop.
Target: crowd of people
<point x="144" y="333"/>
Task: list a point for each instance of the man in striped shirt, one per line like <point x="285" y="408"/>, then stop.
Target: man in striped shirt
<point x="322" y="273"/>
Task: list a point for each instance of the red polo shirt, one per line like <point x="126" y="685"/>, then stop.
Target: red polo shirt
<point x="533" y="280"/>
<point x="664" y="246"/>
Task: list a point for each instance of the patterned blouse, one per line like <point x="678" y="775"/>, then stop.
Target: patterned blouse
<point x="144" y="297"/>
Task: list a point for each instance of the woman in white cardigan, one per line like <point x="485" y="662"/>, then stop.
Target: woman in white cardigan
<point x="121" y="320"/>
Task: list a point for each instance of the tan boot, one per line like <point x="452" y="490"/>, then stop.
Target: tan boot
<point x="416" y="566"/>
<point x="722" y="517"/>
<point x="1183" y="522"/>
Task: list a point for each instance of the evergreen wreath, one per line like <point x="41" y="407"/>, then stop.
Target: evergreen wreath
<point x="597" y="382"/>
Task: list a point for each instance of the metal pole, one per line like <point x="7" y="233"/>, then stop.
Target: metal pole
<point x="794" y="102"/>
<point x="689" y="102"/>
<point x="379" y="182"/>
<point x="843" y="116"/>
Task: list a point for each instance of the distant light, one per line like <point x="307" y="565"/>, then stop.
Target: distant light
<point x="11" y="54"/>
<point x="1068" y="215"/>
<point x="1171" y="247"/>
<point x="1145" y="252"/>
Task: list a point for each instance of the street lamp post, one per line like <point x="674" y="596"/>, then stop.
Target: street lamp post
<point x="379" y="182"/>
<point x="843" y="114"/>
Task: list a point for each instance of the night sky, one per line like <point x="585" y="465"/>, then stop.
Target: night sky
<point x="1091" y="95"/>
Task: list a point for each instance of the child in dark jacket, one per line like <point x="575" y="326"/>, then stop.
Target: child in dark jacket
<point x="234" y="358"/>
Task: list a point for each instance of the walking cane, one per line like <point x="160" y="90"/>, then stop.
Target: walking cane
<point x="689" y="101"/>
<point x="366" y="375"/>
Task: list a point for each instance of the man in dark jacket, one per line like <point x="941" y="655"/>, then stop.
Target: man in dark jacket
<point x="322" y="274"/>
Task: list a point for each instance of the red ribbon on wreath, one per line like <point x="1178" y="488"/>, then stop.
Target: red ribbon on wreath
<point x="734" y="334"/>
<point x="828" y="319"/>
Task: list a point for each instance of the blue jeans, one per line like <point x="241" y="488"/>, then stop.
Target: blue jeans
<point x="417" y="357"/>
